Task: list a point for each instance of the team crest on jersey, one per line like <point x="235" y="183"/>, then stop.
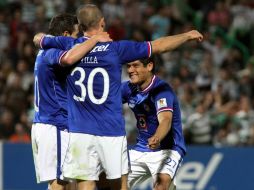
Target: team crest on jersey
<point x="142" y="122"/>
<point x="161" y="103"/>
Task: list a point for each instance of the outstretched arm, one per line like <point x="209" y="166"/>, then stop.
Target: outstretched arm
<point x="169" y="43"/>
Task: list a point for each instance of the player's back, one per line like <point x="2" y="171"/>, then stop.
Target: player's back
<point x="95" y="95"/>
<point x="50" y="93"/>
<point x="93" y="87"/>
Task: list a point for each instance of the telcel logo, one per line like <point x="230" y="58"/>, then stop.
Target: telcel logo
<point x="195" y="175"/>
<point x="100" y="48"/>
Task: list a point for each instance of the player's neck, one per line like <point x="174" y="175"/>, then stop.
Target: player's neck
<point x="91" y="33"/>
<point x="146" y="83"/>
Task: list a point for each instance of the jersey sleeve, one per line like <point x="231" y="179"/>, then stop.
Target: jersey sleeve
<point x="59" y="42"/>
<point x="130" y="51"/>
<point x="164" y="100"/>
<point x="53" y="56"/>
<point x="124" y="89"/>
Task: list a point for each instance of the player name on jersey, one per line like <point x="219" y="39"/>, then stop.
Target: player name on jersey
<point x="89" y="59"/>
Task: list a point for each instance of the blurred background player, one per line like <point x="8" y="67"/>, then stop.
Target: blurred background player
<point x="50" y="129"/>
<point x="160" y="143"/>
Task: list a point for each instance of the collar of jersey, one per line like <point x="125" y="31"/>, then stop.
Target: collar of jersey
<point x="150" y="85"/>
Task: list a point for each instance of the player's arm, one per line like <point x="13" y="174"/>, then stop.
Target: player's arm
<point x="64" y="42"/>
<point x="130" y="51"/>
<point x="76" y="52"/>
<point x="165" y="119"/>
<point x="44" y="41"/>
<point x="169" y="43"/>
<point x="79" y="50"/>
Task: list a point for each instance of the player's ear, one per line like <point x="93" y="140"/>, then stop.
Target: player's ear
<point x="102" y="23"/>
<point x="150" y="66"/>
<point x="66" y="33"/>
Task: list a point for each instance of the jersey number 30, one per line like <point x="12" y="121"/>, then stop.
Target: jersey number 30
<point x="89" y="89"/>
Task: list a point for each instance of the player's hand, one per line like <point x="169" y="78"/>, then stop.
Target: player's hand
<point x="195" y="35"/>
<point x="37" y="39"/>
<point x="102" y="37"/>
<point x="153" y="142"/>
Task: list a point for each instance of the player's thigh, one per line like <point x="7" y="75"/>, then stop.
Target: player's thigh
<point x="44" y="144"/>
<point x="139" y="172"/>
<point x="113" y="155"/>
<point x="82" y="161"/>
<point x="164" y="162"/>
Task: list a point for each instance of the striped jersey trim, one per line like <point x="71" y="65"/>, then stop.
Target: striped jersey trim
<point x="150" y="85"/>
<point x="149" y="49"/>
<point x="61" y="56"/>
<point x="164" y="109"/>
<point x="41" y="41"/>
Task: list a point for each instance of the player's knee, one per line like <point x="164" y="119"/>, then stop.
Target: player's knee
<point x="163" y="182"/>
<point x="57" y="185"/>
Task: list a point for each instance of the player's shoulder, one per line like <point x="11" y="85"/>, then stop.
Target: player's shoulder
<point x="161" y="86"/>
<point x="120" y="43"/>
<point x="125" y="85"/>
<point x="128" y="87"/>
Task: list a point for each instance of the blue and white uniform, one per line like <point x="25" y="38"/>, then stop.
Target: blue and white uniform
<point x="95" y="105"/>
<point x="50" y="123"/>
<point x="146" y="105"/>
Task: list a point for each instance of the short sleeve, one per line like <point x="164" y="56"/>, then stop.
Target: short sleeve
<point x="124" y="90"/>
<point x="59" y="42"/>
<point x="130" y="51"/>
<point x="164" y="100"/>
<point x="53" y="56"/>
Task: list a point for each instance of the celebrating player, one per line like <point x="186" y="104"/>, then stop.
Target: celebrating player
<point x="49" y="131"/>
<point x="160" y="143"/>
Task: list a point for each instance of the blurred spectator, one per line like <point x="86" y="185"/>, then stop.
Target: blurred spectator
<point x="204" y="77"/>
<point x="116" y="29"/>
<point x="160" y="22"/>
<point x="6" y="124"/>
<point x="220" y="16"/>
<point x="198" y="129"/>
<point x="112" y="9"/>
<point x="217" y="49"/>
<point x="4" y="32"/>
<point x="20" y="135"/>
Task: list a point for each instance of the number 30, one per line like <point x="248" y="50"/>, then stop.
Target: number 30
<point x="89" y="89"/>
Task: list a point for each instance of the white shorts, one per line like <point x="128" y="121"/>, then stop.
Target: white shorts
<point x="49" y="150"/>
<point x="89" y="155"/>
<point x="148" y="164"/>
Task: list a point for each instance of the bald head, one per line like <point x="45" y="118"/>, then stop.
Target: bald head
<point x="89" y="17"/>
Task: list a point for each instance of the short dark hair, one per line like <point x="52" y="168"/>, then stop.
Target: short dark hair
<point x="62" y="22"/>
<point x="153" y="59"/>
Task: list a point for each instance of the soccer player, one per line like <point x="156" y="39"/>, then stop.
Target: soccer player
<point x="160" y="143"/>
<point x="49" y="130"/>
<point x="97" y="134"/>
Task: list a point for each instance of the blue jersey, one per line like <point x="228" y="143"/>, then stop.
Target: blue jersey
<point x="146" y="105"/>
<point x="50" y="102"/>
<point x="94" y="85"/>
